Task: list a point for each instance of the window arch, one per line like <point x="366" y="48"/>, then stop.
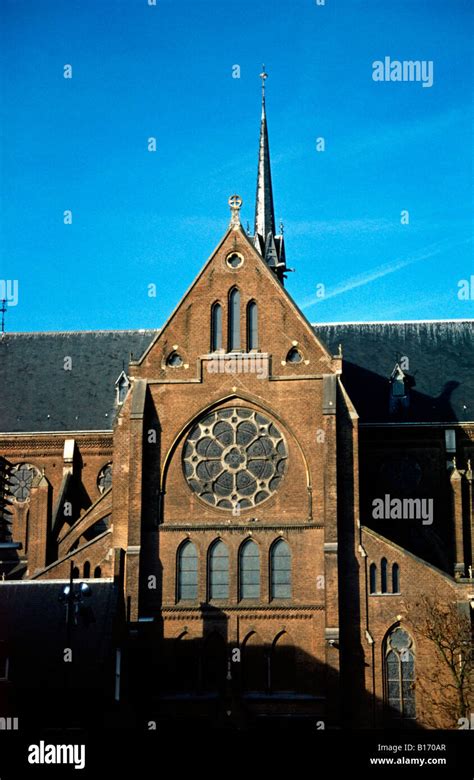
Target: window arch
<point x="280" y="570"/>
<point x="219" y="571"/>
<point x="373" y="578"/>
<point x="395" y="578"/>
<point x="87" y="570"/>
<point x="187" y="572"/>
<point x="254" y="664"/>
<point x="75" y="572"/>
<point x="383" y="576"/>
<point x="249" y="570"/>
<point x="216" y="327"/>
<point x="252" y="326"/>
<point x="97" y="573"/>
<point x="399" y="668"/>
<point x="234" y="319"/>
<point x="283" y="663"/>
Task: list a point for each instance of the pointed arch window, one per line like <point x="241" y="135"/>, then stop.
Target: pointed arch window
<point x="395" y="578"/>
<point x="283" y="664"/>
<point x="373" y="578"/>
<point x="252" y="326"/>
<point x="87" y="570"/>
<point x="383" y="576"/>
<point x="249" y="570"/>
<point x="280" y="570"/>
<point x="216" y="327"/>
<point x="234" y="319"/>
<point x="219" y="571"/>
<point x="187" y="578"/>
<point x="399" y="665"/>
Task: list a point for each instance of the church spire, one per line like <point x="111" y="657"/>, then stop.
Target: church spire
<point x="264" y="212"/>
<point x="270" y="246"/>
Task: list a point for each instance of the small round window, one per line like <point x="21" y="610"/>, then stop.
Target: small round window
<point x="235" y="260"/>
<point x="174" y="360"/>
<point x="294" y="356"/>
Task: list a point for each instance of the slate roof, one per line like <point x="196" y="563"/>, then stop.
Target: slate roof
<point x="441" y="367"/>
<point x="34" y="384"/>
<point x="37" y="394"/>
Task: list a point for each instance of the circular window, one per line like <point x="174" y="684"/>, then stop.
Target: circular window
<point x="174" y="360"/>
<point x="235" y="260"/>
<point x="294" y="356"/>
<point x="21" y="480"/>
<point x="104" y="480"/>
<point x="234" y="458"/>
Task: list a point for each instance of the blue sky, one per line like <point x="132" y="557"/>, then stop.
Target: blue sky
<point x="166" y="71"/>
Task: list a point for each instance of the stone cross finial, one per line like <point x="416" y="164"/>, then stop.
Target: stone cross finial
<point x="235" y="203"/>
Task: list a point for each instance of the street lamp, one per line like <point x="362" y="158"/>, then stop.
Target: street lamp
<point x="73" y="597"/>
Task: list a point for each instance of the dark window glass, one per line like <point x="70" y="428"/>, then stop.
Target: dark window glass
<point x="187" y="572"/>
<point x="123" y="386"/>
<point x="234" y="261"/>
<point x="280" y="566"/>
<point x="87" y="570"/>
<point x="252" y="326"/>
<point x="373" y="578"/>
<point x="234" y="320"/>
<point x="97" y="572"/>
<point x="383" y="575"/>
<point x="398" y="388"/>
<point x="249" y="574"/>
<point x="294" y="356"/>
<point x="219" y="572"/>
<point x="216" y="327"/>
<point x="175" y="360"/>
<point x="400" y="675"/>
<point x="283" y="664"/>
<point x="254" y="664"/>
<point x="395" y="578"/>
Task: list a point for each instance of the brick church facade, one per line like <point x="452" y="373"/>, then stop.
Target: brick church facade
<point x="263" y="509"/>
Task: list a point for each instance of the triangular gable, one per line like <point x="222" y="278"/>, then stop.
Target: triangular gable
<point x="282" y="325"/>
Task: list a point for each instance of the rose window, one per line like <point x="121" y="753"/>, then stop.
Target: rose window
<point x="21" y="479"/>
<point x="234" y="458"/>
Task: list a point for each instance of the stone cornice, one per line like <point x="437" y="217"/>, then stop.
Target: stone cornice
<point x="101" y="443"/>
<point x="227" y="527"/>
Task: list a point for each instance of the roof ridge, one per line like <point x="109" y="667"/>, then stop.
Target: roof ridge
<point x="391" y="322"/>
<point x="77" y="332"/>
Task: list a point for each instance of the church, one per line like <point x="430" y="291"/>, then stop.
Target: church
<point x="241" y="518"/>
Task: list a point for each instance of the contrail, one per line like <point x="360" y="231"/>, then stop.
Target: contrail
<point x="382" y="270"/>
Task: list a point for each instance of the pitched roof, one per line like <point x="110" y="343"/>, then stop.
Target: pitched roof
<point x="440" y="366"/>
<point x="38" y="395"/>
